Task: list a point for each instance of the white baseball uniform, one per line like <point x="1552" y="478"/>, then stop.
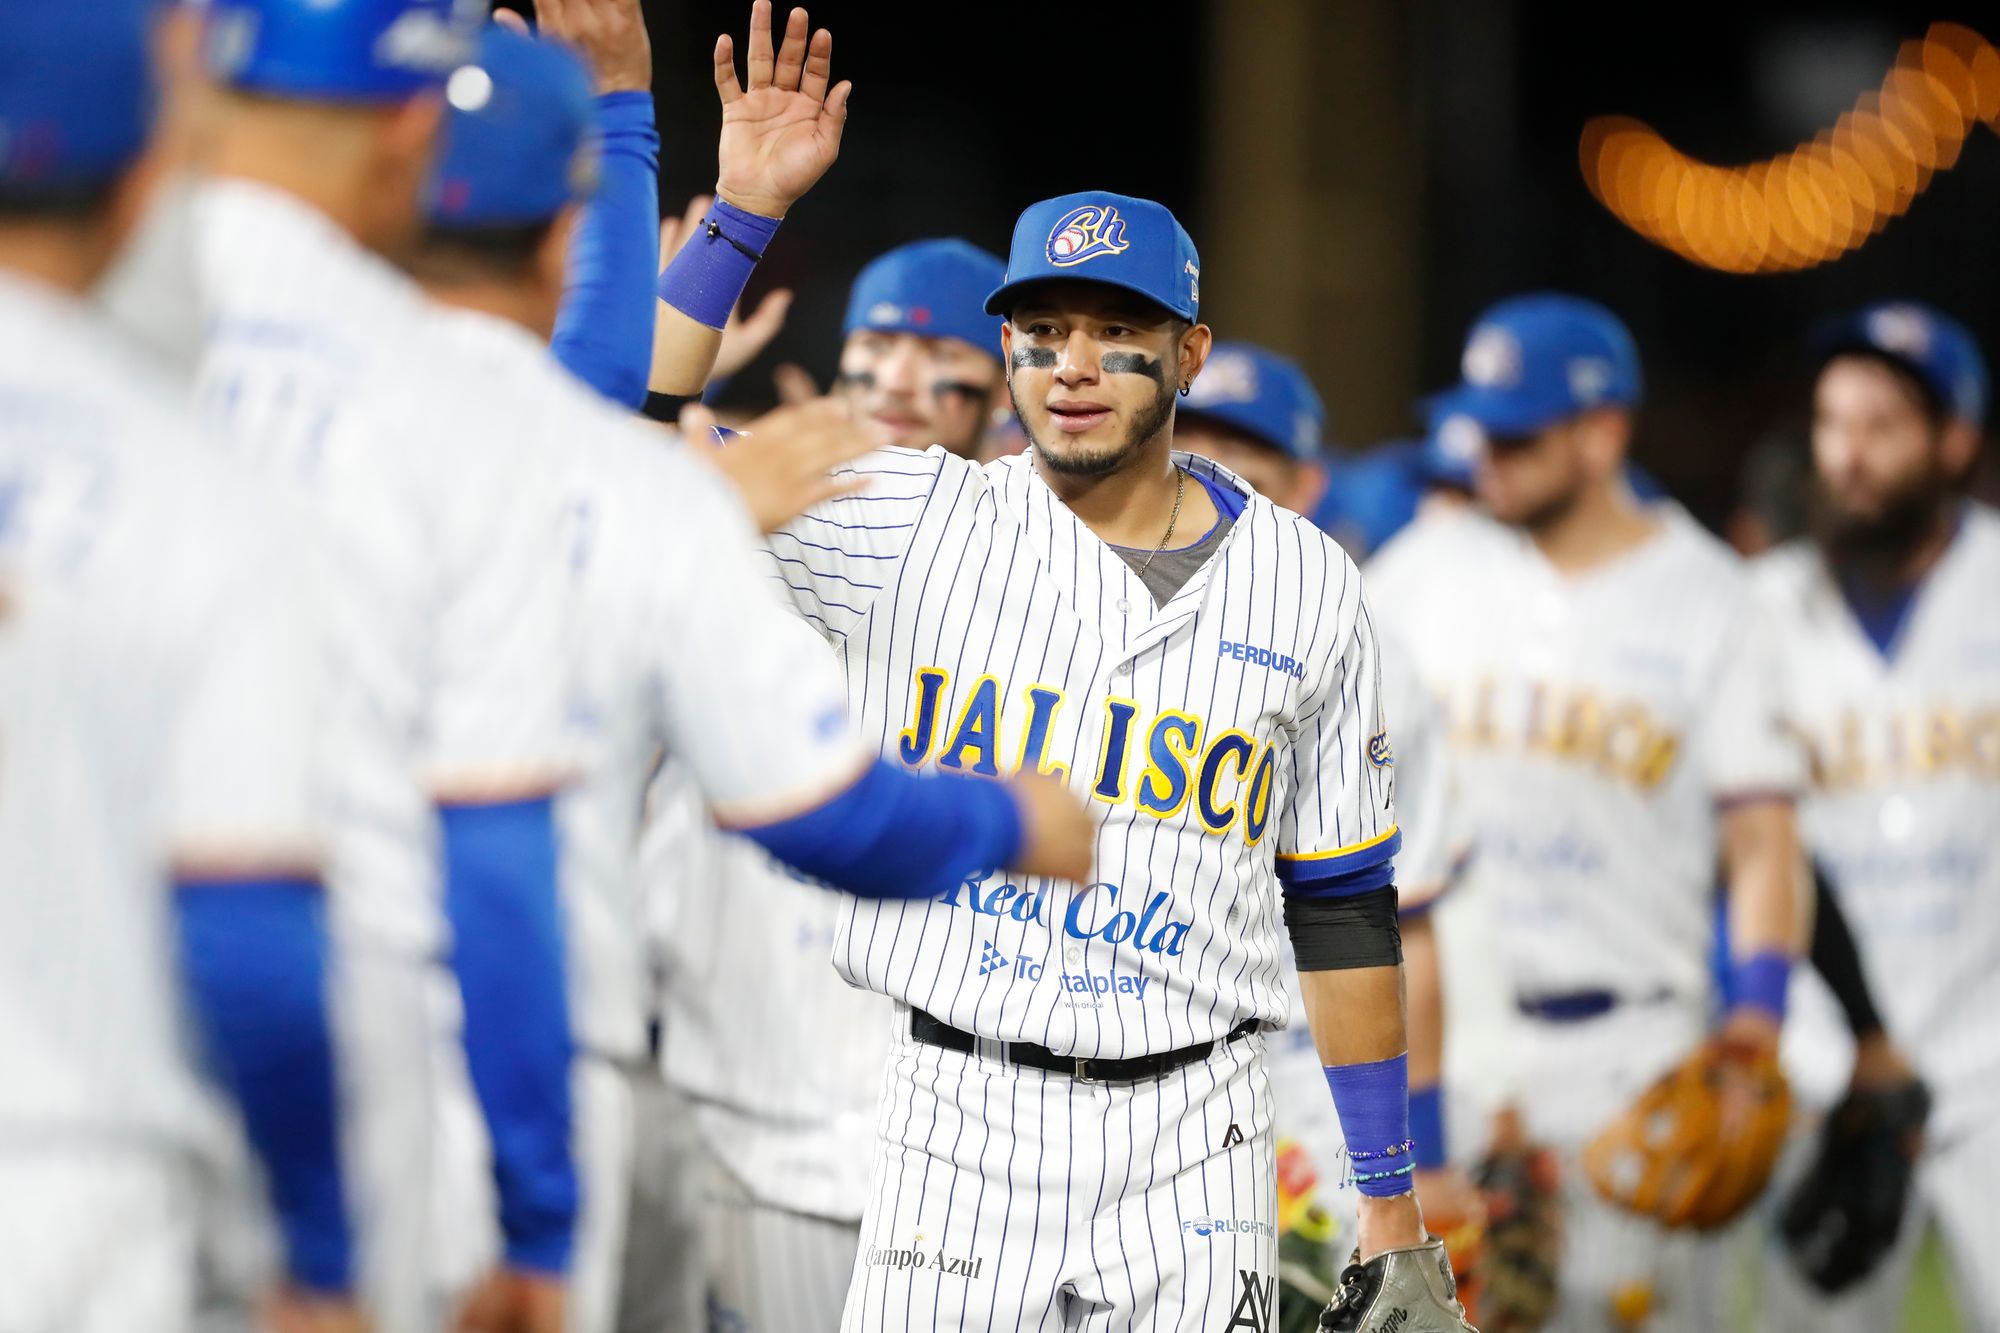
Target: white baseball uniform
<point x="688" y="655"/>
<point x="453" y="600"/>
<point x="158" y="694"/>
<point x="1901" y="810"/>
<point x="1597" y="720"/>
<point x="1223" y="738"/>
<point x="783" y="1077"/>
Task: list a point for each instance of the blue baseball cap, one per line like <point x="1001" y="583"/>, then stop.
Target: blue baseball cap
<point x="1261" y="394"/>
<point x="518" y="142"/>
<point x="1532" y="361"/>
<point x="76" y="94"/>
<point x="340" y="50"/>
<point x="1134" y="244"/>
<point x="1933" y="346"/>
<point x="933" y="288"/>
<point x="1452" y="449"/>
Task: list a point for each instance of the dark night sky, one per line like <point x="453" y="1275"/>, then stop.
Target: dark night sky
<point x="964" y="113"/>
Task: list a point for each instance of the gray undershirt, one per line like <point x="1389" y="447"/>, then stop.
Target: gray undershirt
<point x="1171" y="570"/>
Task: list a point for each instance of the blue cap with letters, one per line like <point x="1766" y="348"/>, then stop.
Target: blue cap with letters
<point x="518" y="140"/>
<point x="1114" y="239"/>
<point x="1532" y="361"/>
<point x="340" y="50"/>
<point x="76" y="94"/>
<point x="936" y="289"/>
<point x="1261" y="394"/>
<point x="1933" y="346"/>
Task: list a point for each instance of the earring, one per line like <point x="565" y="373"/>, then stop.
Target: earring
<point x="1185" y="386"/>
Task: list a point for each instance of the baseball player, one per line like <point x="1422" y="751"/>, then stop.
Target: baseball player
<point x="455" y="668"/>
<point x="784" y="1081"/>
<point x="1609" y="696"/>
<point x="1256" y="413"/>
<point x="1077" y="1076"/>
<point x="666" y="559"/>
<point x="159" y="824"/>
<point x="1887" y="616"/>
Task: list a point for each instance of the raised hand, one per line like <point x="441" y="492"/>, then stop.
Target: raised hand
<point x="612" y="36"/>
<point x="745" y="336"/>
<point x="780" y="130"/>
<point x="782" y="463"/>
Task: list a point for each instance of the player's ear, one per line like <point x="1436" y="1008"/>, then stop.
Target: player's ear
<point x="1958" y="447"/>
<point x="1194" y="349"/>
<point x="1308" y="487"/>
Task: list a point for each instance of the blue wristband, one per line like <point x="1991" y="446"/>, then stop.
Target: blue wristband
<point x="1761" y="980"/>
<point x="1427" y="1127"/>
<point x="1373" y="1101"/>
<point x="709" y="274"/>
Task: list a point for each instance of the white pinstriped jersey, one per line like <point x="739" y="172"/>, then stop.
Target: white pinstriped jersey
<point x="1596" y="720"/>
<point x="985" y="629"/>
<point x="685" y="652"/>
<point x="1903" y="802"/>
<point x="158" y="677"/>
<point x="443" y="516"/>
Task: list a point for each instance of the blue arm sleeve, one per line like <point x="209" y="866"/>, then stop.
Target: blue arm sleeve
<point x="500" y="893"/>
<point x="604" y="331"/>
<point x="898" y="834"/>
<point x="254" y="958"/>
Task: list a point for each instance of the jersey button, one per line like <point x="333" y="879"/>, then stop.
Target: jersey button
<point x="1122" y="669"/>
<point x="1123" y="605"/>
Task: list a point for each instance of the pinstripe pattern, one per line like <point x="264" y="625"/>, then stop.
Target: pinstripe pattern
<point x="157" y="720"/>
<point x="983" y="627"/>
<point x="1081" y="1205"/>
<point x="772" y="1270"/>
<point x="941" y="565"/>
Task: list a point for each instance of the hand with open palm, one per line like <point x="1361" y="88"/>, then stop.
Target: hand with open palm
<point x="781" y="130"/>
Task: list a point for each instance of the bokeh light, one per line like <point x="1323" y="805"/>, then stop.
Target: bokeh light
<point x="1822" y="199"/>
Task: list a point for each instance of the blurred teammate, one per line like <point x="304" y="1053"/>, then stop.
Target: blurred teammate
<point x="666" y="559"/>
<point x="1610" y="701"/>
<point x="1888" y="618"/>
<point x="456" y="670"/>
<point x="160" y="834"/>
<point x="1256" y="413"/>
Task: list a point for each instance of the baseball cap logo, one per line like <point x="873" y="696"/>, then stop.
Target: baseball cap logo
<point x="1589" y="378"/>
<point x="1493" y="358"/>
<point x="1085" y="233"/>
<point x="1901" y="329"/>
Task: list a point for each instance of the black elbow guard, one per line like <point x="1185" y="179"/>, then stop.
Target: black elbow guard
<point x="1334" y="934"/>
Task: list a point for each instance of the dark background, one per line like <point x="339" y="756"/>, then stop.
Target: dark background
<point x="1363" y="178"/>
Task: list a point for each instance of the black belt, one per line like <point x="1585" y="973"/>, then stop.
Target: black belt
<point x="936" y="1032"/>
<point x="1583" y="1005"/>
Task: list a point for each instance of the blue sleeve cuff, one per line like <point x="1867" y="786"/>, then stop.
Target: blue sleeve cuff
<point x="1373" y="1102"/>
<point x="1341" y="866"/>
<point x="898" y="834"/>
<point x="604" y="331"/>
<point x="1427" y="1127"/>
<point x="253" y="955"/>
<point x="501" y="896"/>
<point x="1762" y="981"/>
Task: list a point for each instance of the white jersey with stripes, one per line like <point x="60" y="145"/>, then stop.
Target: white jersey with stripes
<point x="444" y="520"/>
<point x="158" y="707"/>
<point x="1221" y="738"/>
<point x="685" y="655"/>
<point x="1596" y="720"/>
<point x="1903" y="803"/>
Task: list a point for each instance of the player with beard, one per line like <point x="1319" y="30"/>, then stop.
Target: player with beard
<point x="1888" y="616"/>
<point x="1610" y="709"/>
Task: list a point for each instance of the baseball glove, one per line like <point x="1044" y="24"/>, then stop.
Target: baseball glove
<point x="1398" y="1291"/>
<point x="1845" y="1215"/>
<point x="1524" y="1238"/>
<point x="1698" y="1146"/>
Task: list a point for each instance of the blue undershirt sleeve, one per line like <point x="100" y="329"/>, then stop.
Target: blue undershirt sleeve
<point x="604" y="331"/>
<point x="898" y="834"/>
<point x="253" y="959"/>
<point x="501" y="897"/>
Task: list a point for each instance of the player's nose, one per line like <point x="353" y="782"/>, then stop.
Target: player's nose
<point x="1077" y="362"/>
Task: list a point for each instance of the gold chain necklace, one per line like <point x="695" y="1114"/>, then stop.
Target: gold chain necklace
<point x="1180" y="493"/>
